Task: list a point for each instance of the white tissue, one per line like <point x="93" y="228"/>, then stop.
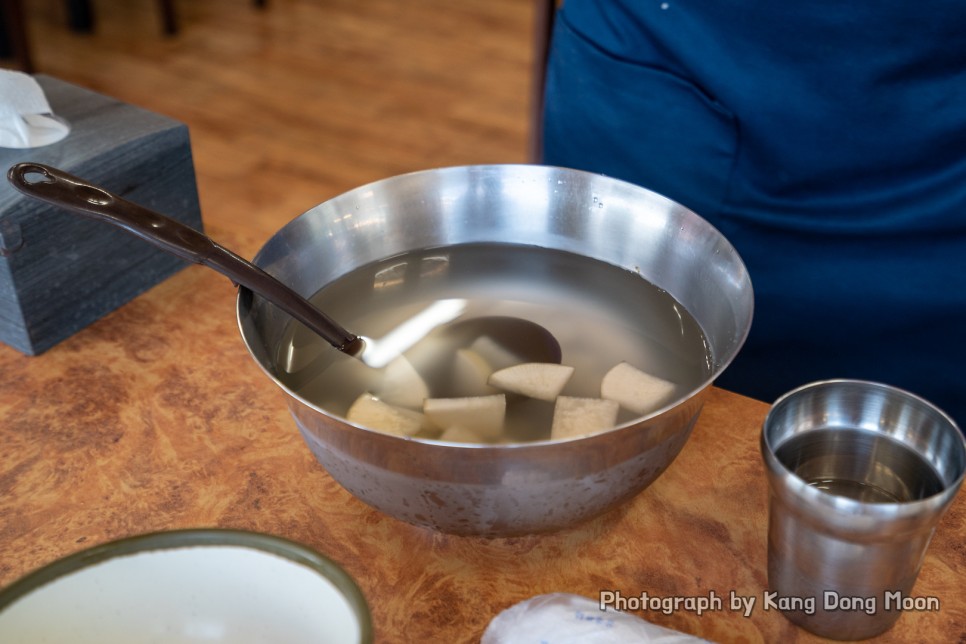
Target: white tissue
<point x="562" y="618"/>
<point x="26" y="120"/>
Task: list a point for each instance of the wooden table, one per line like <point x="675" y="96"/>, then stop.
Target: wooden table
<point x="156" y="418"/>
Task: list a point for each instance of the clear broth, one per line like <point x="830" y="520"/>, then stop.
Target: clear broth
<point x="600" y="314"/>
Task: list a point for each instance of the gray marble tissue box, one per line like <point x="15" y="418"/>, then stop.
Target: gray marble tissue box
<point x="59" y="272"/>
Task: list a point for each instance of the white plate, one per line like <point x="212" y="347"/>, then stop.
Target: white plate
<point x="187" y="586"/>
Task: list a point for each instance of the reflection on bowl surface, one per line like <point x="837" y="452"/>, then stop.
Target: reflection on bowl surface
<point x="187" y="586"/>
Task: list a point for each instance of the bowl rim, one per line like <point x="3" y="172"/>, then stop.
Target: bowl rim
<point x="695" y="394"/>
<point x="192" y="538"/>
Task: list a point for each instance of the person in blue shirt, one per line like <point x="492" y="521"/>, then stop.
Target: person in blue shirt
<point x="825" y="140"/>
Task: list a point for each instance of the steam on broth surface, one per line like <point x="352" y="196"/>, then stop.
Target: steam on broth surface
<point x="602" y="315"/>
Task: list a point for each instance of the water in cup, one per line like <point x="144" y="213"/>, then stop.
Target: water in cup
<point x="860" y="465"/>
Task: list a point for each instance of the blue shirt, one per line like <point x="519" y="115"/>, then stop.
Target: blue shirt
<point x="826" y="140"/>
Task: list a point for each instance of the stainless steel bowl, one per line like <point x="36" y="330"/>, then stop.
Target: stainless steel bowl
<point x="500" y="490"/>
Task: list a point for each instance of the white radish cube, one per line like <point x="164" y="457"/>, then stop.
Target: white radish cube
<point x="402" y="385"/>
<point x="581" y="416"/>
<point x="460" y="434"/>
<point x="636" y="390"/>
<point x="470" y="374"/>
<point x="541" y="380"/>
<point x="495" y="354"/>
<point x="369" y="411"/>
<point x="481" y="414"/>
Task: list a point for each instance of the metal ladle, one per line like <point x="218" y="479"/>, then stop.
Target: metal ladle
<point x="533" y="343"/>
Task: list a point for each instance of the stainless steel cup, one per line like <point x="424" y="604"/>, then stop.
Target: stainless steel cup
<point x="860" y="473"/>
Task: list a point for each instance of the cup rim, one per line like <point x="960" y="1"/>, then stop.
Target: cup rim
<point x="769" y="448"/>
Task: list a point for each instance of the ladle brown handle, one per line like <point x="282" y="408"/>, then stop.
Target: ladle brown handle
<point x="76" y="195"/>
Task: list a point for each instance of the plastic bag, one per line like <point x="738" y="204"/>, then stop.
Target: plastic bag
<point x="562" y="618"/>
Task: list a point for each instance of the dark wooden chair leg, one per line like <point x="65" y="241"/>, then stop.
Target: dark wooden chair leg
<point x="80" y="16"/>
<point x="15" y="34"/>
<point x="169" y="16"/>
<point x="544" y="12"/>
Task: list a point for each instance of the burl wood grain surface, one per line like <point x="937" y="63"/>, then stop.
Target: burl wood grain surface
<point x="156" y="418"/>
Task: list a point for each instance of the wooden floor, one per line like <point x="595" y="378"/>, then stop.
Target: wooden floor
<point x="292" y="104"/>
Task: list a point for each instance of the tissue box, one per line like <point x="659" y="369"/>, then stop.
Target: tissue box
<point x="59" y="272"/>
